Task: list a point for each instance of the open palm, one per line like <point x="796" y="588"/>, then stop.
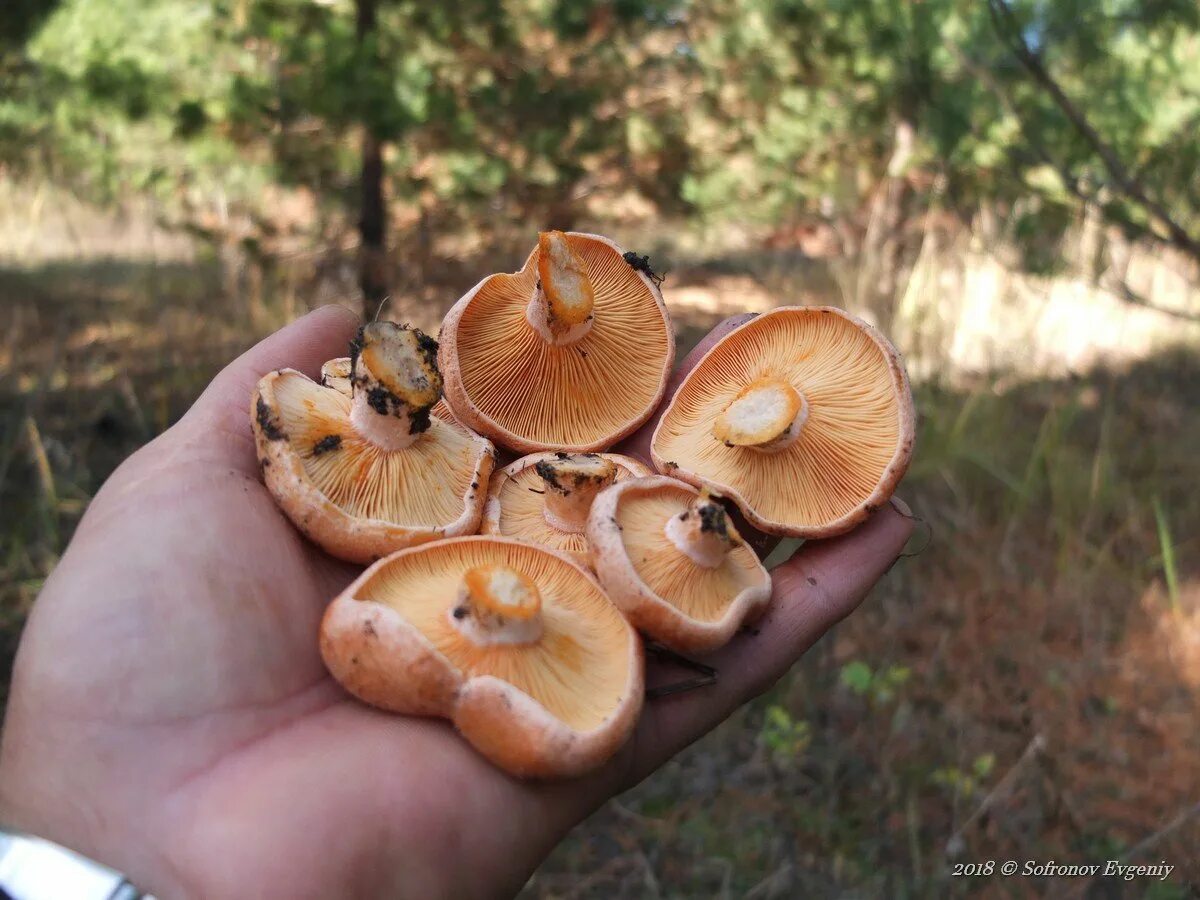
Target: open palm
<point x="171" y="717"/>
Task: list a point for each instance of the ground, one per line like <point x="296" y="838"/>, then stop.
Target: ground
<point x="1024" y="685"/>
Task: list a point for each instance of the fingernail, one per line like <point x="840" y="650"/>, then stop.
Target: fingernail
<point x="902" y="507"/>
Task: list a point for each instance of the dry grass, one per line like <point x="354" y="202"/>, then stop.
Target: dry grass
<point x="1026" y="687"/>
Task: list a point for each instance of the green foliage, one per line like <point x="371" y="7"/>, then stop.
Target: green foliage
<point x="1168" y="553"/>
<point x="965" y="782"/>
<point x="767" y="110"/>
<point x="787" y="738"/>
<point x="880" y="687"/>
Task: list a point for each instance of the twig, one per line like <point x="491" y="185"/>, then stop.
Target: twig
<point x="1008" y="28"/>
<point x="706" y="674"/>
<point x="1003" y="788"/>
<point x="1175" y="824"/>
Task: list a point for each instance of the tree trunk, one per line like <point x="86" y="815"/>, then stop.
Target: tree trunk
<point x="372" y="222"/>
<point x="880" y="258"/>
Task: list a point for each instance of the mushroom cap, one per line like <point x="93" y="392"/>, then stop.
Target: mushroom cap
<point x="505" y="382"/>
<point x="557" y="707"/>
<point x="687" y="607"/>
<point x="853" y="448"/>
<point x="515" y="502"/>
<point x="351" y="497"/>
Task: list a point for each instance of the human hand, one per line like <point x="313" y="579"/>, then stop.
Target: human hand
<point x="170" y="715"/>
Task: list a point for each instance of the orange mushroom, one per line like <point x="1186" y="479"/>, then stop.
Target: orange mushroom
<point x="670" y="558"/>
<point x="544" y="498"/>
<point x="802" y="416"/>
<point x="570" y="353"/>
<point x="370" y="471"/>
<point x="515" y="644"/>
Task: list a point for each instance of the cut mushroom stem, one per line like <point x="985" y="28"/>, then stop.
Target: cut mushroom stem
<point x="498" y="605"/>
<point x="561" y="308"/>
<point x="766" y="415"/>
<point x="394" y="384"/>
<point x="572" y="482"/>
<point x="703" y="531"/>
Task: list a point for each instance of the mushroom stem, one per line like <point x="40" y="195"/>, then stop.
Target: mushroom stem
<point x="767" y="416"/>
<point x="498" y="605"/>
<point x="703" y="532"/>
<point x="560" y="310"/>
<point x="572" y="483"/>
<point x="394" y="383"/>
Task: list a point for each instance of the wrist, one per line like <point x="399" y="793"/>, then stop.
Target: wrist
<point x="38" y="802"/>
<point x="33" y="868"/>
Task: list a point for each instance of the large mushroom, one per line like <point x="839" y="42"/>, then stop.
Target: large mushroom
<point x="370" y="471"/>
<point x="517" y="645"/>
<point x="802" y="416"/>
<point x="570" y="353"/>
<point x="544" y="498"/>
<point x="670" y="558"/>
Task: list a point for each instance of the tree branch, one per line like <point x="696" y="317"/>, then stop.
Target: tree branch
<point x="1008" y="28"/>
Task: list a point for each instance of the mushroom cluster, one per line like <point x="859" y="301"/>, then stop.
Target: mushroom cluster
<point x="513" y="603"/>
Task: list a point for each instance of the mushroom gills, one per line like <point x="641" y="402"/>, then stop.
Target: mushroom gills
<point x="766" y="415"/>
<point x="703" y="531"/>
<point x="571" y="484"/>
<point x="394" y="383"/>
<point x="576" y="668"/>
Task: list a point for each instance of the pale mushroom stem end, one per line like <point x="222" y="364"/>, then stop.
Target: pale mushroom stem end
<point x="571" y="484"/>
<point x="498" y="605"/>
<point x="703" y="532"/>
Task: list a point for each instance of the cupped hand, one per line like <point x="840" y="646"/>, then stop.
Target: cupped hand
<point x="170" y="715"/>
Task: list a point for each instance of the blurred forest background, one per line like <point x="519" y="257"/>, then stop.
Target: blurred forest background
<point x="1007" y="187"/>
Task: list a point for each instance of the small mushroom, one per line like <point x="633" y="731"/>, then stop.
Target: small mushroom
<point x="370" y="470"/>
<point x="515" y="644"/>
<point x="802" y="416"/>
<point x="544" y="498"/>
<point x="336" y="374"/>
<point x="670" y="558"/>
<point x="570" y="353"/>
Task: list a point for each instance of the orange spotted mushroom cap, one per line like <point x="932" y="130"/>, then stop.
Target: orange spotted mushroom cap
<point x="570" y="353"/>
<point x="670" y="558"/>
<point x="368" y="470"/>
<point x="544" y="498"/>
<point x="517" y="645"/>
<point x="802" y="416"/>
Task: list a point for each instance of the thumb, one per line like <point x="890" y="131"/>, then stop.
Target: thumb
<point x="304" y="345"/>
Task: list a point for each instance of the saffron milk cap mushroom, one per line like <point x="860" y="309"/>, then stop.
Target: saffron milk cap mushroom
<point x="802" y="416"/>
<point x="517" y="645"/>
<point x="670" y="558"/>
<point x="544" y="498"/>
<point x="570" y="353"/>
<point x="371" y="470"/>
